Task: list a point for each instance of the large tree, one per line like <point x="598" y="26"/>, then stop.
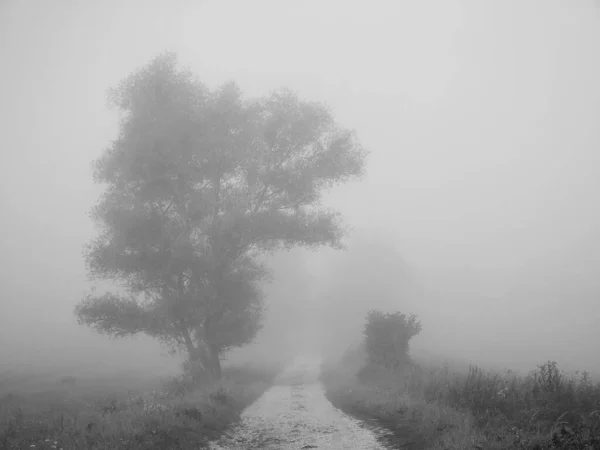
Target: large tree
<point x="200" y="183"/>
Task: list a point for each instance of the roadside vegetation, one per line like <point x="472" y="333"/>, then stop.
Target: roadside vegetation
<point x="113" y="414"/>
<point x="461" y="409"/>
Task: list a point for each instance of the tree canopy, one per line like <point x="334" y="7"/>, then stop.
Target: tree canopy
<point x="198" y="184"/>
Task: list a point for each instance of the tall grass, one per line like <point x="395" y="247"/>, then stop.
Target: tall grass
<point x="474" y="408"/>
<point x="178" y="415"/>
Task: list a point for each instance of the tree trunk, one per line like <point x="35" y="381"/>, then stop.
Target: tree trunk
<point x="212" y="351"/>
<point x="198" y="355"/>
<point x="208" y="357"/>
<point x="215" y="362"/>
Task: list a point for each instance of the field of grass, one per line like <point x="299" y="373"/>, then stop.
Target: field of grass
<point x="472" y="408"/>
<point x="45" y="412"/>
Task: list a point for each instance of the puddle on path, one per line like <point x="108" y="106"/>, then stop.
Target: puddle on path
<point x="295" y="414"/>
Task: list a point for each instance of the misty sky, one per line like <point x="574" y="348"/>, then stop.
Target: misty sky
<point x="482" y="118"/>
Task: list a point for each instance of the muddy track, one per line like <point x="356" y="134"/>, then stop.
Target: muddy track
<point x="295" y="414"/>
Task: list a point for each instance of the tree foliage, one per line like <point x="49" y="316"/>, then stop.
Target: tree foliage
<point x="199" y="183"/>
<point x="387" y="337"/>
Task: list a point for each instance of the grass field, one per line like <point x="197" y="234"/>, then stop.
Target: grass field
<point x="470" y="408"/>
<point x="47" y="411"/>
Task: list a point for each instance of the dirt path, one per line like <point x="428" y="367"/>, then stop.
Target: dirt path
<point x="294" y="414"/>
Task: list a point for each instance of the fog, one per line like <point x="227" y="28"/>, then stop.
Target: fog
<point x="478" y="212"/>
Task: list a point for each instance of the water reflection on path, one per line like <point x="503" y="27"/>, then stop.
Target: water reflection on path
<point x="295" y="414"/>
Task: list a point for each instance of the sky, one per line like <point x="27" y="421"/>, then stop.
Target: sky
<point x="481" y="119"/>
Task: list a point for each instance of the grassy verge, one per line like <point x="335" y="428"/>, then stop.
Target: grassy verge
<point x="436" y="408"/>
<point x="94" y="414"/>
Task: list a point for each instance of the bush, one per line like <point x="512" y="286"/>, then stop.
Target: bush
<point x="386" y="341"/>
